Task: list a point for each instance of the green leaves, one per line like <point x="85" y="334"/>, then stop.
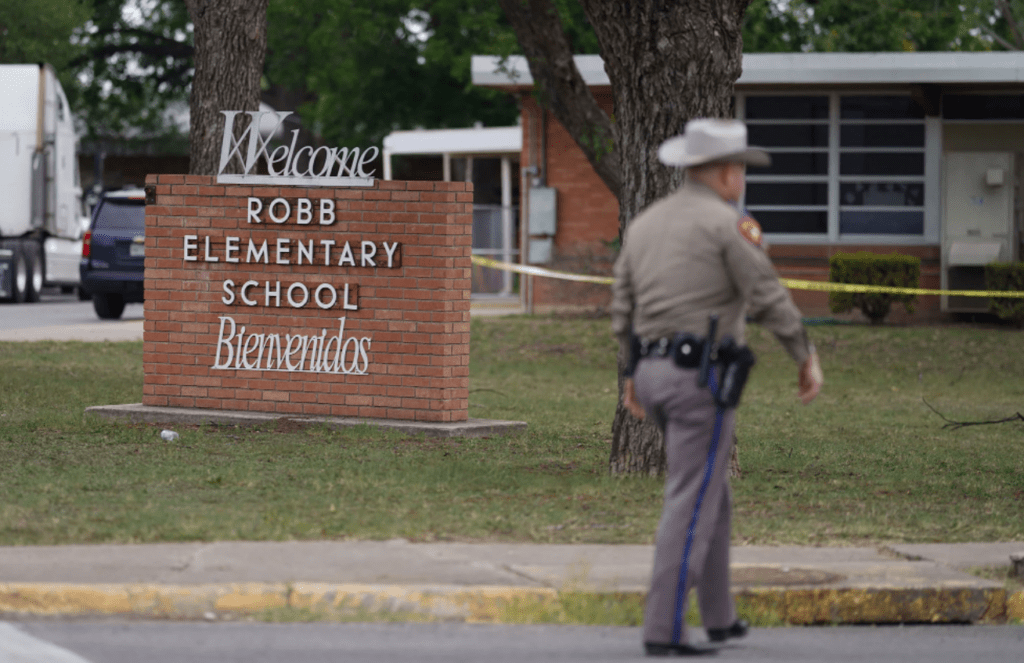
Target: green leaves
<point x="355" y="69"/>
<point x="135" y="66"/>
<point x="40" y="30"/>
<point x="363" y="68"/>
<point x="1006" y="276"/>
<point x="873" y="25"/>
<point x="892" y="270"/>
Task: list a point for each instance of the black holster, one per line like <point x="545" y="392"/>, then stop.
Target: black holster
<point x="735" y="362"/>
<point x="633" y="356"/>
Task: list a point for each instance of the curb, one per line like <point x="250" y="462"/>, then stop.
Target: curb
<point x="1015" y="607"/>
<point x="139" y="413"/>
<point x="470" y="604"/>
<point x="878" y="606"/>
<point x="496" y="604"/>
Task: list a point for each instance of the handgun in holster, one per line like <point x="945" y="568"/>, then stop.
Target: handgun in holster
<point x="734" y="362"/>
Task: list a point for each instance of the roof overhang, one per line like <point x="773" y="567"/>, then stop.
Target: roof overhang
<point x="818" y="69"/>
<point x="489" y="140"/>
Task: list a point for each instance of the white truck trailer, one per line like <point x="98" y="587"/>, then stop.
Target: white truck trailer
<point x="40" y="192"/>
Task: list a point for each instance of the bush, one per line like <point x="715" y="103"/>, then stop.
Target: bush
<point x="893" y="270"/>
<point x="1006" y="276"/>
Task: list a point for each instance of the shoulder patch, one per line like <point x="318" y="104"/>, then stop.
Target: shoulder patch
<point x="751" y="231"/>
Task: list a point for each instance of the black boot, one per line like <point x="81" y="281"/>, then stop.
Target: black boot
<point x="656" y="649"/>
<point x="738" y="629"/>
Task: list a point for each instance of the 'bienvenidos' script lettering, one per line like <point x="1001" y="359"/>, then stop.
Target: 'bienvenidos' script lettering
<point x="293" y="353"/>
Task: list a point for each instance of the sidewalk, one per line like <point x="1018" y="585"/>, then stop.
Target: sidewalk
<point x="74" y="321"/>
<point x="490" y="582"/>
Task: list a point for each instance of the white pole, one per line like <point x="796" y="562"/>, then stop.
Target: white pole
<point x="506" y="222"/>
<point x="387" y="164"/>
<point x="446" y="166"/>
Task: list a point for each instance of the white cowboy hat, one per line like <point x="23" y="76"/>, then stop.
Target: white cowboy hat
<point x="705" y="140"/>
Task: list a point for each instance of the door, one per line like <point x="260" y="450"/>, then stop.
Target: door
<point x="977" y="222"/>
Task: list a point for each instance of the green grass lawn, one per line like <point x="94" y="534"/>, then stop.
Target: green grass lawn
<point x="867" y="462"/>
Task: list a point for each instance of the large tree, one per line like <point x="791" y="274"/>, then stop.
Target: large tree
<point x="667" y="62"/>
<point x="230" y="43"/>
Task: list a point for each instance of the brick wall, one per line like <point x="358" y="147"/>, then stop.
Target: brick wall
<point x="588" y="213"/>
<point x="415" y="365"/>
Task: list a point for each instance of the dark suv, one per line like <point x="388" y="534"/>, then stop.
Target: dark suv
<point x="114" y="252"/>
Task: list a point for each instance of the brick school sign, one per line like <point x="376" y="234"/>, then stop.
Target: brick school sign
<point x="316" y="301"/>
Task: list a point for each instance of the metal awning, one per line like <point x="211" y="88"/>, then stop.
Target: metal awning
<point x="484" y="140"/>
<point x="448" y="143"/>
<point x="760" y="69"/>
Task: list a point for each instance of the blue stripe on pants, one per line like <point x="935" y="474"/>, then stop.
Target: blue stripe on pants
<point x="677" y="623"/>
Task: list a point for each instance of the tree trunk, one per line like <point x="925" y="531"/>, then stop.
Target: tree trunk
<point x="667" y="62"/>
<point x="230" y="44"/>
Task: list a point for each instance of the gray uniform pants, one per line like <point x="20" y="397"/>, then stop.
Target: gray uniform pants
<point x="692" y="546"/>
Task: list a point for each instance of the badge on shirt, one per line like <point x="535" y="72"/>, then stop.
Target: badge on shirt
<point x="751" y="231"/>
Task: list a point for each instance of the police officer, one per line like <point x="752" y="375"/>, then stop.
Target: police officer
<point x="689" y="256"/>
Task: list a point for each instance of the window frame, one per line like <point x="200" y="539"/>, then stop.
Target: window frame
<point x="932" y="151"/>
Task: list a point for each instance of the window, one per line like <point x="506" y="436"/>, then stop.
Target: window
<point x="791" y="196"/>
<point x="983" y="106"/>
<point x="881" y="166"/>
<point x="121" y="214"/>
<point x="841" y="164"/>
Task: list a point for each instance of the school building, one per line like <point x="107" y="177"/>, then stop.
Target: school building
<point x="915" y="153"/>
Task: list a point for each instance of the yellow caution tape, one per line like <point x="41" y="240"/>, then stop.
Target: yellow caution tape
<point x="792" y="284"/>
<point x="540" y="271"/>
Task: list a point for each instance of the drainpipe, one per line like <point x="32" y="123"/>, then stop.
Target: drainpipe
<point x="543" y="146"/>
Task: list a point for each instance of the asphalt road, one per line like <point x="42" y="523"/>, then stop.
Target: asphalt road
<point x="61" y="317"/>
<point x="250" y="642"/>
<point x="56" y="309"/>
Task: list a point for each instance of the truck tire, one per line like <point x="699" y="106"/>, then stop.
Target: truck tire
<point x="19" y="276"/>
<point x="109" y="306"/>
<point x="33" y="252"/>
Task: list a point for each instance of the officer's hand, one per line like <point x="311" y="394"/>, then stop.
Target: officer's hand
<point x="810" y="379"/>
<point x="629" y="400"/>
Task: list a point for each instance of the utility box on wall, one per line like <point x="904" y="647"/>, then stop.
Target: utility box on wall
<point x="543" y="220"/>
<point x="978" y="222"/>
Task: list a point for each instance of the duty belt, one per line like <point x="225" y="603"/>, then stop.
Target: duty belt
<point x="685" y="349"/>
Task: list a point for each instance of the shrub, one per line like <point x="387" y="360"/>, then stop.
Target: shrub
<point x="893" y="270"/>
<point x="1006" y="276"/>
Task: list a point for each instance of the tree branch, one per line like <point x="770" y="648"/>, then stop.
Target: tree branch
<point x="956" y="425"/>
<point x="161" y="48"/>
<point x="154" y="50"/>
<point x="1005" y="44"/>
<point x="562" y="89"/>
<point x="137" y="32"/>
<point x="1004" y="7"/>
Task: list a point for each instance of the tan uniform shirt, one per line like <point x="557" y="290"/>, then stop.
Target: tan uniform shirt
<point x="686" y="257"/>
